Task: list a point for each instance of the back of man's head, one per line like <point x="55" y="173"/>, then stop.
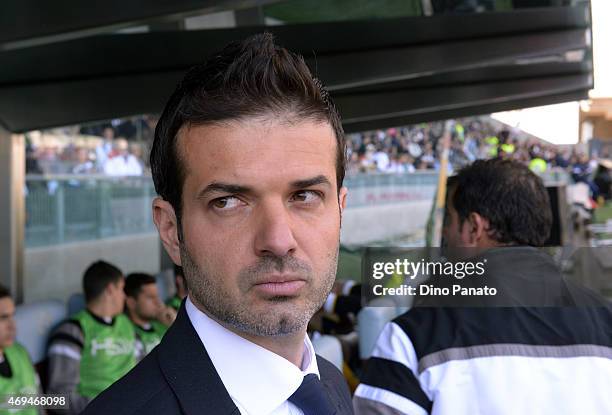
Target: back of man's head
<point x="97" y="277"/>
<point x="251" y="78"/>
<point x="511" y="197"/>
<point x="134" y="283"/>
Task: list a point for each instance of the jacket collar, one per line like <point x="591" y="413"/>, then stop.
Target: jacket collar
<point x="190" y="372"/>
<point x="341" y="403"/>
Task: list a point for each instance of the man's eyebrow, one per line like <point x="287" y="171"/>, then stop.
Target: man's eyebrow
<point x="219" y="187"/>
<point x="313" y="181"/>
<point x="222" y="188"/>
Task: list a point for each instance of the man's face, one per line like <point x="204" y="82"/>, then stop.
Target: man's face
<point x="115" y="290"/>
<point x="108" y="133"/>
<point x="147" y="303"/>
<point x="122" y="146"/>
<point x="7" y="322"/>
<point x="261" y="221"/>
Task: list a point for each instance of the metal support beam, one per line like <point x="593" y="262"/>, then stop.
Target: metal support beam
<point x="250" y="17"/>
<point x="26" y="23"/>
<point x="12" y="212"/>
<point x="465" y="38"/>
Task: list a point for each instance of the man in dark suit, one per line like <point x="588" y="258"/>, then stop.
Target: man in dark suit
<point x="248" y="162"/>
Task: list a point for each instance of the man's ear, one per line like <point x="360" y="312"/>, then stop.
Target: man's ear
<point x="342" y="201"/>
<point x="110" y="288"/>
<point x="130" y="302"/>
<point x="479" y="227"/>
<point x="342" y="198"/>
<point x="167" y="226"/>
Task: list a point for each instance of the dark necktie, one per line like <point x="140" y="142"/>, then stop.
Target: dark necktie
<point x="311" y="397"/>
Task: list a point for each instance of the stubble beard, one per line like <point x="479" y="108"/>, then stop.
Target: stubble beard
<point x="239" y="315"/>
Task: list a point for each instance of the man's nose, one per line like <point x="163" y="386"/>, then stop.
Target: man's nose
<point x="274" y="230"/>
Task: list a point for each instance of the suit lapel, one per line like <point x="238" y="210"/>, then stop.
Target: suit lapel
<point x="333" y="391"/>
<point x="190" y="372"/>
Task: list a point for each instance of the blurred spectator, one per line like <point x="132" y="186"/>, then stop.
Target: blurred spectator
<point x="32" y="166"/>
<point x="137" y="151"/>
<point x="353" y="164"/>
<point x="581" y="169"/>
<point x="17" y="374"/>
<point x="181" y="288"/>
<point x="380" y="158"/>
<point x="84" y="164"/>
<point x="562" y="159"/>
<point x="124" y="163"/>
<point x="96" y="346"/>
<point x="105" y="148"/>
<point x="146" y="311"/>
<point x="603" y="180"/>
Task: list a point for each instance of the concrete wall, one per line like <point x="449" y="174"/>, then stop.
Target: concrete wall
<point x="361" y="225"/>
<point x="57" y="271"/>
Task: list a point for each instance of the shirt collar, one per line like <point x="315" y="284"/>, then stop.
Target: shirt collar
<point x="109" y="321"/>
<point x="256" y="378"/>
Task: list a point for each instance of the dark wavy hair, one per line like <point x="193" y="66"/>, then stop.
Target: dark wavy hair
<point x="510" y="196"/>
<point x="250" y="78"/>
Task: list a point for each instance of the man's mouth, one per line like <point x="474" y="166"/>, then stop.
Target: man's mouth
<point x="280" y="285"/>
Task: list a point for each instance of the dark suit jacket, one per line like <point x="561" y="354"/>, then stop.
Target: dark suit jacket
<point x="178" y="377"/>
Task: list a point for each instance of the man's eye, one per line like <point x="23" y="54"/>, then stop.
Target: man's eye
<point x="306" y="196"/>
<point x="226" y="203"/>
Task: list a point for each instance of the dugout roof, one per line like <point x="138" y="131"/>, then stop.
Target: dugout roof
<point x="64" y="62"/>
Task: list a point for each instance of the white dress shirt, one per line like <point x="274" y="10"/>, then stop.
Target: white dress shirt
<point x="258" y="380"/>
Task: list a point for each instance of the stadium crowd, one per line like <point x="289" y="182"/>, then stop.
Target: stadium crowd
<point x="117" y="148"/>
<point x="395" y="150"/>
<point x="417" y="148"/>
<point x="412" y="148"/>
